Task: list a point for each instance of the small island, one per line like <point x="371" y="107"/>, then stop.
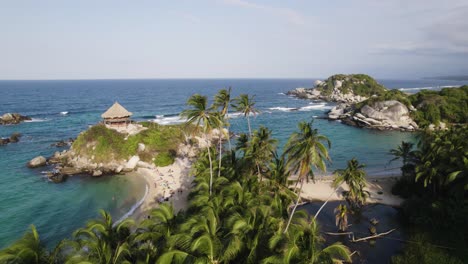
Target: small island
<point x="363" y="102"/>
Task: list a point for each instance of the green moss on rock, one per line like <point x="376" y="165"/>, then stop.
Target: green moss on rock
<point x="107" y="144"/>
<point x="359" y="84"/>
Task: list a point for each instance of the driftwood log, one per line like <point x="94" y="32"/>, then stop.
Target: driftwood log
<point x="360" y="239"/>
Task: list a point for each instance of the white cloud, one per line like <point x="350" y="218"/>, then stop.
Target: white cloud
<point x="445" y="33"/>
<point x="289" y="14"/>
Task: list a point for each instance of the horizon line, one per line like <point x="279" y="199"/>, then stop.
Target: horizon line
<point x="205" y="78"/>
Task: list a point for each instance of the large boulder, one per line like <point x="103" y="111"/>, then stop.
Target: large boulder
<point x="131" y="164"/>
<point x="141" y="147"/>
<point x="70" y="171"/>
<point x="390" y="114"/>
<point x="15" y="137"/>
<point x="390" y="110"/>
<point x="37" y="162"/>
<point x="318" y="83"/>
<point x="11" y="119"/>
<point x="56" y="177"/>
<point x="96" y="173"/>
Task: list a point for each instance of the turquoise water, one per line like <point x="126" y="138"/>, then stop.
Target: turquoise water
<point x="57" y="209"/>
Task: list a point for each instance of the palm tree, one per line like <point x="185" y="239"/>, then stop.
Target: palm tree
<point x="223" y="99"/>
<point x="28" y="249"/>
<point x="197" y="242"/>
<point x="102" y="241"/>
<point x="246" y="105"/>
<point x="200" y="114"/>
<point x="341" y="217"/>
<point x="153" y="234"/>
<point x="355" y="177"/>
<point x="302" y="244"/>
<point x="405" y="152"/>
<point x="305" y="149"/>
<point x="261" y="148"/>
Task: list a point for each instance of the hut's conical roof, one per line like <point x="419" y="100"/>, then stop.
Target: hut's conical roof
<point x="116" y="111"/>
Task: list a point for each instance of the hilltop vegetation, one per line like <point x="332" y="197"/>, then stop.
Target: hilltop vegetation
<point x="449" y="105"/>
<point x="358" y="84"/>
<point x="161" y="143"/>
<point x="435" y="183"/>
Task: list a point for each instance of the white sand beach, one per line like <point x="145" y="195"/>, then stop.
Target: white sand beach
<point x="165" y="184"/>
<point x="379" y="188"/>
<point x="172" y="184"/>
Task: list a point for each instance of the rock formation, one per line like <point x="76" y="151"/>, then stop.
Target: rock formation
<point x="362" y="102"/>
<point x="14" y="138"/>
<point x="12" y="119"/>
<point x="341" y="88"/>
<point x="384" y="115"/>
<point x="37" y="162"/>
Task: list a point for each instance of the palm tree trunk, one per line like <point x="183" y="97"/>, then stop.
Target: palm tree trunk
<point x="295" y="206"/>
<point x="227" y="128"/>
<point x="323" y="205"/>
<point x="211" y="169"/>
<point x="248" y="123"/>
<point x="258" y="172"/>
<point x="220" y="154"/>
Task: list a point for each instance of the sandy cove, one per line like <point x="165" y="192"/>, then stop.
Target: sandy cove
<point x="380" y="189"/>
<point x="171" y="183"/>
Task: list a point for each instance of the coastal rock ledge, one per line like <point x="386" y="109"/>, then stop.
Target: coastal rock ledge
<point x="382" y="115"/>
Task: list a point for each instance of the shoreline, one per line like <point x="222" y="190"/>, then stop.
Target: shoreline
<point x="159" y="181"/>
<point x="164" y="184"/>
<point x="379" y="187"/>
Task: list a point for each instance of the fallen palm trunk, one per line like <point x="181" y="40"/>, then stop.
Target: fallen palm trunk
<point x="371" y="237"/>
<point x="359" y="239"/>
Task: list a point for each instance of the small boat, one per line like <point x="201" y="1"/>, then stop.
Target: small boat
<point x="64" y="113"/>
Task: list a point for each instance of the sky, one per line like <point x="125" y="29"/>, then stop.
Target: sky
<point x="114" y="39"/>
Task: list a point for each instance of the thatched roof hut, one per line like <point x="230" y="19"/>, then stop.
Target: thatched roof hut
<point x="116" y="114"/>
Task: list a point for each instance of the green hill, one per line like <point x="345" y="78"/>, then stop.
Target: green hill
<point x="359" y="84"/>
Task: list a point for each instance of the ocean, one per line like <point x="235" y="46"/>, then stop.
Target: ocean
<point x="27" y="197"/>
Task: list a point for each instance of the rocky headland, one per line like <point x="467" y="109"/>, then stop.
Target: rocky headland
<point x="101" y="150"/>
<point x="362" y="102"/>
<point x="13" y="119"/>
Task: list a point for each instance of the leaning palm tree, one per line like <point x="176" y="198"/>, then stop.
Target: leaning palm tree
<point x="246" y="105"/>
<point x="28" y="249"/>
<point x="202" y="117"/>
<point x="223" y="99"/>
<point x="305" y="150"/>
<point x="341" y="217"/>
<point x="355" y="177"/>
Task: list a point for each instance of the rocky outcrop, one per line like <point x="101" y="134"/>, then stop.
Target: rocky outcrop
<point x="341" y="88"/>
<point x="14" y="138"/>
<point x="385" y="115"/>
<point x="37" y="162"/>
<point x="336" y="96"/>
<point x="12" y="119"/>
<point x="63" y="143"/>
<point x="131" y="164"/>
